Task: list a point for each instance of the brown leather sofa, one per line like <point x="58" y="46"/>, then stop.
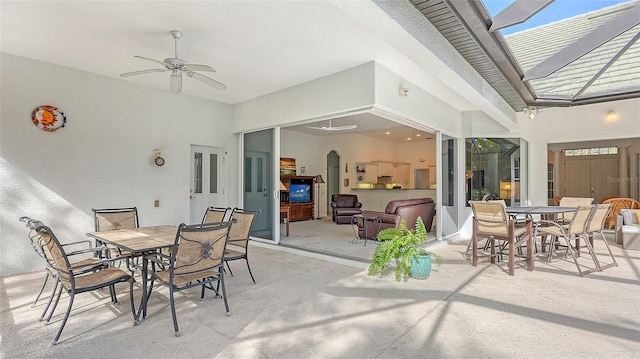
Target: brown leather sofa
<point x="344" y="206"/>
<point x="395" y="212"/>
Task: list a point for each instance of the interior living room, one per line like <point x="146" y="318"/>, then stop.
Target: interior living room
<point x="367" y="156"/>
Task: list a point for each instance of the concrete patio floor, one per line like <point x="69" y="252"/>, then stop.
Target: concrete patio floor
<point x="305" y="306"/>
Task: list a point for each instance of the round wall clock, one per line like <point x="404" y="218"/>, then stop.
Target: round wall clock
<point x="48" y="118"/>
<point x="159" y="161"/>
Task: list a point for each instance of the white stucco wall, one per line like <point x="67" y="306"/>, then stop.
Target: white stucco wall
<point x="343" y="91"/>
<point x="102" y="158"/>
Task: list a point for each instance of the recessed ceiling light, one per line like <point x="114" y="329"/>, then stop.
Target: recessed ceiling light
<point x="408" y="138"/>
<point x="417" y="135"/>
<point x="387" y="133"/>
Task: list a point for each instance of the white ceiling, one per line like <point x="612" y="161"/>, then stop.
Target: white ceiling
<point x="257" y="47"/>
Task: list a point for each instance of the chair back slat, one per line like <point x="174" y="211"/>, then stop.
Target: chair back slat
<point x="241" y="228"/>
<point x="580" y="219"/>
<point x="216" y="215"/>
<point x="599" y="217"/>
<point x="575" y="201"/>
<point x="491" y="217"/>
<point x="199" y="248"/>
<point x="108" y="219"/>
<point x="54" y="253"/>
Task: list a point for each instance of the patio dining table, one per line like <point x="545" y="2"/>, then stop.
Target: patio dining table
<point x="545" y="212"/>
<point x="139" y="242"/>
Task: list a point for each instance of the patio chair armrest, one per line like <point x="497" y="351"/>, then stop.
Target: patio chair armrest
<point x="87" y="250"/>
<point x="103" y="262"/>
<point x="159" y="258"/>
<point x="540" y="223"/>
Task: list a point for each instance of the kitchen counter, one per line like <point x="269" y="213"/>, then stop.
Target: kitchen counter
<point x="376" y="199"/>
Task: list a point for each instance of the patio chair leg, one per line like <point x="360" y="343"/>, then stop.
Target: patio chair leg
<point x="230" y="272"/>
<point x="224" y="294"/>
<point x="133" y="305"/>
<point x="575" y="258"/>
<point x="51" y="296"/>
<point x="46" y="278"/>
<point x="251" y="274"/>
<point x="64" y="320"/>
<point x="615" y="263"/>
<point x="112" y="292"/>
<point x="173" y="313"/>
<point x="55" y="304"/>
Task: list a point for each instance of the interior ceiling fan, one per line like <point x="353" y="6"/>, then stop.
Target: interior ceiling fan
<point x="177" y="66"/>
<point x="334" y="128"/>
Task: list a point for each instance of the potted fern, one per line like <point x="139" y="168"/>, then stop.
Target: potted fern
<point x="407" y="247"/>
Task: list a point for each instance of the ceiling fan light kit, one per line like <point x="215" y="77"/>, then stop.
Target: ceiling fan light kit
<point x="177" y="66"/>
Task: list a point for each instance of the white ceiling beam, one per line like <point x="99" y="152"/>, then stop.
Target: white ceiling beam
<point x="517" y="13"/>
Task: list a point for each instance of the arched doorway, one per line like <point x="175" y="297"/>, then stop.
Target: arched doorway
<point x="333" y="176"/>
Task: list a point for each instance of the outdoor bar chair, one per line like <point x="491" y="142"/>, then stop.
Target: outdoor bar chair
<point x="239" y="237"/>
<point x="490" y="220"/>
<point x="195" y="260"/>
<point x="75" y="279"/>
<point x="574" y="231"/>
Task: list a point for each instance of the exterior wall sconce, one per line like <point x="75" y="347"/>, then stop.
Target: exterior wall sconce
<point x="404" y="92"/>
<point x="531" y="112"/>
<point x="158" y="160"/>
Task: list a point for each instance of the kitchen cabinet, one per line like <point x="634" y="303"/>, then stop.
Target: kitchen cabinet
<point x="402" y="174"/>
<point x="366" y="172"/>
<point x="386" y="169"/>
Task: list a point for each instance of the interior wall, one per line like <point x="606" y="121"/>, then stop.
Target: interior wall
<point x="102" y="158"/>
<point x="419" y="155"/>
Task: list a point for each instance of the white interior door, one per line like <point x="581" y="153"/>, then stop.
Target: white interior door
<point x="206" y="181"/>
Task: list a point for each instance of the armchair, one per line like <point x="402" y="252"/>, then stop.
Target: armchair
<point x="396" y="211"/>
<point x="344" y="206"/>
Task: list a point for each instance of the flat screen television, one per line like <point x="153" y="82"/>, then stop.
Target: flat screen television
<point x="299" y="193"/>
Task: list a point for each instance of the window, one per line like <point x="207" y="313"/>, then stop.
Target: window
<point x="591" y="151"/>
<point x="494" y="167"/>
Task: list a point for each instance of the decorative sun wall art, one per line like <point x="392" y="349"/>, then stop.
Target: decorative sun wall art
<point x="48" y="118"/>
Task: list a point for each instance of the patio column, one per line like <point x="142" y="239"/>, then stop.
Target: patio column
<point x="623" y="182"/>
<point x="556" y="173"/>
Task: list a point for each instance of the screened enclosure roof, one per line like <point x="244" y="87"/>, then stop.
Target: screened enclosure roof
<point x="544" y="52"/>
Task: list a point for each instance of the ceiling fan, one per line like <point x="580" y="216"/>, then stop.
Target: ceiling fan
<point x="334" y="128"/>
<point x="177" y="66"/>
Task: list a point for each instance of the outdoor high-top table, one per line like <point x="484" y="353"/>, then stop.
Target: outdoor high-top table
<point x="139" y="242"/>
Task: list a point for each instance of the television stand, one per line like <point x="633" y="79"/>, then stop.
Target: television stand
<point x="299" y="211"/>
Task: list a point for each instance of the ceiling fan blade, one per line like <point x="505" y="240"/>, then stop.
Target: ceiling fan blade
<point x="334" y="128"/>
<point x="148" y="59"/>
<point x="206" y="80"/>
<point x="175" y="84"/>
<point x="134" y="73"/>
<point x="195" y="67"/>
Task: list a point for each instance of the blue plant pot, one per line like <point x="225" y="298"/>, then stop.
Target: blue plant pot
<point x="421" y="269"/>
